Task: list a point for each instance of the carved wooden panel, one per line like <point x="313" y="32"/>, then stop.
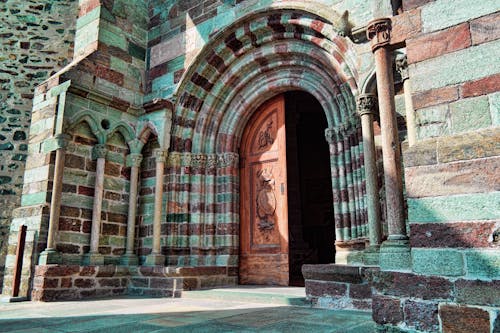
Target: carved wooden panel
<point x="264" y="211"/>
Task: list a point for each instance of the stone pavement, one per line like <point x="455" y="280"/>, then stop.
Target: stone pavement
<point x="226" y="310"/>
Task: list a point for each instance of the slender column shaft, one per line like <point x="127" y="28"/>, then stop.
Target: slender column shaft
<point x="379" y="33"/>
<point x="160" y="166"/>
<point x="100" y="154"/>
<point x="134" y="161"/>
<point x="366" y="109"/>
<point x="55" y="203"/>
<point x="402" y="68"/>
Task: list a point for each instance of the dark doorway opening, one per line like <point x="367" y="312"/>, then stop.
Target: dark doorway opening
<point x="310" y="202"/>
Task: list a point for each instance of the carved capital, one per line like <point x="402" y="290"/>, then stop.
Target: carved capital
<point x="134" y="160"/>
<point x="366" y="104"/>
<point x="379" y="32"/>
<point x="402" y="66"/>
<point x="160" y="155"/>
<point x="333" y="135"/>
<point x="99" y="151"/>
<point x="228" y="160"/>
<point x="62" y="140"/>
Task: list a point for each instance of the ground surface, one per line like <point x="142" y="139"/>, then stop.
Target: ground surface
<point x="227" y="310"/>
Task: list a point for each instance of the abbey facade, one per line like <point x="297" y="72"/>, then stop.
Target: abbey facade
<point x="350" y="146"/>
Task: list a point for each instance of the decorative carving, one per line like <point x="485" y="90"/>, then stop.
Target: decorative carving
<point x="174" y="159"/>
<point x="265" y="137"/>
<point x="160" y="155"/>
<point x="335" y="134"/>
<point x="198" y="160"/>
<point x="366" y="104"/>
<point x="62" y="140"/>
<point x="99" y="151"/>
<point x="134" y="160"/>
<point x="227" y="160"/>
<point x="266" y="200"/>
<point x="342" y="25"/>
<point x="402" y="66"/>
<point x="379" y="32"/>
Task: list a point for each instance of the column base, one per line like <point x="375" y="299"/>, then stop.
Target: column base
<point x="93" y="259"/>
<point x="395" y="255"/>
<point x="371" y="256"/>
<point x="155" y="260"/>
<point x="49" y="257"/>
<point x="129" y="260"/>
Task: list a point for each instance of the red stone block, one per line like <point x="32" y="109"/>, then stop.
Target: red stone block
<point x="360" y="291"/>
<point x="66" y="283"/>
<point x="161" y="283"/>
<point x="109" y="282"/>
<point x="68" y="248"/>
<point x="485" y="29"/>
<point x="43" y="282"/>
<point x="110" y="229"/>
<point x="422" y="316"/>
<point x="470" y="234"/>
<point x="434" y="97"/>
<point x="478" y="292"/>
<point x="405" y="26"/>
<point x="69" y="224"/>
<point x="84" y="283"/>
<point x="112" y="169"/>
<point x="461" y="319"/>
<point x="117" y="218"/>
<point x="106" y="271"/>
<point x="438" y="43"/>
<point x="56" y="270"/>
<point x="386" y="310"/>
<point x="410" y="4"/>
<point x="87" y="271"/>
<point x="413" y="285"/>
<point x="84" y="190"/>
<point x="480" y="87"/>
<point x="325" y="288"/>
<point x="74" y="161"/>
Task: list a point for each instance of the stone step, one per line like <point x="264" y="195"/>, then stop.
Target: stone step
<point x="287" y="296"/>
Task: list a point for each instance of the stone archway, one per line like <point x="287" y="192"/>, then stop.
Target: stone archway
<point x="258" y="57"/>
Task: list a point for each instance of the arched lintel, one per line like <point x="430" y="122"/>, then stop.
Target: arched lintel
<point x="322" y="11"/>
<point x="91" y="121"/>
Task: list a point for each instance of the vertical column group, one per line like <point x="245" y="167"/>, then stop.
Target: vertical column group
<point x="395" y="252"/>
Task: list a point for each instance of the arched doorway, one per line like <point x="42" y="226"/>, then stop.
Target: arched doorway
<point x="286" y="196"/>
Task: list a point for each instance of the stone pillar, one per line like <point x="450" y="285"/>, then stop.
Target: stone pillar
<point x="402" y="68"/>
<point x="156" y="258"/>
<point x="366" y="105"/>
<point x="395" y="252"/>
<point x="93" y="257"/>
<point x="134" y="162"/>
<point x="50" y="255"/>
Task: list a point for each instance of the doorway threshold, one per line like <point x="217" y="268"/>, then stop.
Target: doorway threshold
<point x="285" y="296"/>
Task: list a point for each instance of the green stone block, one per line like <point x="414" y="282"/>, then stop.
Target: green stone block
<point x="495" y="108"/>
<point x="470" y="114"/>
<point x="456" y="67"/>
<point x="483" y="264"/>
<point x="136" y="51"/>
<point x="33" y="199"/>
<point x="441" y="14"/>
<point x="109" y="37"/>
<point x="87" y="18"/>
<point x="480" y="206"/>
<point x="438" y="262"/>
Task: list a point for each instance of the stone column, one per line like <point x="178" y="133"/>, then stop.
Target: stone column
<point x="402" y="68"/>
<point x="395" y="253"/>
<point x="93" y="257"/>
<point x="134" y="162"/>
<point x="50" y="255"/>
<point x="366" y="105"/>
<point x="156" y="258"/>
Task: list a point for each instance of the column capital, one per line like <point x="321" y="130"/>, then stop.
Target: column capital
<point x="366" y="104"/>
<point x="160" y="155"/>
<point x="62" y="140"/>
<point x="333" y="135"/>
<point x="402" y="66"/>
<point x="379" y="32"/>
<point x="99" y="151"/>
<point x="134" y="160"/>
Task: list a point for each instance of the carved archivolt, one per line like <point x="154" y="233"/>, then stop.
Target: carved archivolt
<point x="223" y="160"/>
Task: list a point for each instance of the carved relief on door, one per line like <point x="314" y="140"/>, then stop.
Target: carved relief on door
<point x="263" y="208"/>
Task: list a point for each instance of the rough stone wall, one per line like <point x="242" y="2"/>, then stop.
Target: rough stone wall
<point x="452" y="174"/>
<point x="37" y="40"/>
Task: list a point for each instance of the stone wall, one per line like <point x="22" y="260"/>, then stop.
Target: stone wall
<point x="37" y="40"/>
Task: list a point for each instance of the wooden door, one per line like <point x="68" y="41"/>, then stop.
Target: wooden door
<point x="263" y="195"/>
